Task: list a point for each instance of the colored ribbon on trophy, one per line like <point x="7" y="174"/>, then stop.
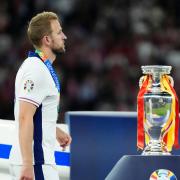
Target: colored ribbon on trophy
<point x="140" y="129"/>
<point x="172" y="126"/>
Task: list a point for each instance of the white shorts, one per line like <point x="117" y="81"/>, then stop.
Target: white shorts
<point x="41" y="172"/>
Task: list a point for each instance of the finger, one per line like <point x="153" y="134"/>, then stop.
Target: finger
<point x="63" y="147"/>
<point x="69" y="141"/>
<point x="22" y="178"/>
<point x="65" y="142"/>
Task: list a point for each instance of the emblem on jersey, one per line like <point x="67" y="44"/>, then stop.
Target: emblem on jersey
<point x="28" y="85"/>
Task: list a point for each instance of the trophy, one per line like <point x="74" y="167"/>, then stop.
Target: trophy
<point x="158" y="119"/>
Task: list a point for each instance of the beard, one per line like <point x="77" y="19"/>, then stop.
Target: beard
<point x="57" y="51"/>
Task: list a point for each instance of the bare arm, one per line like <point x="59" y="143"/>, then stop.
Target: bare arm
<point x="63" y="138"/>
<point x="26" y="113"/>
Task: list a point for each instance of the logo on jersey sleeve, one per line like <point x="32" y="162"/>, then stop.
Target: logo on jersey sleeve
<point x="28" y="85"/>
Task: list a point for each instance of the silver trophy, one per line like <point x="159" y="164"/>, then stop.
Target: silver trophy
<point x="157" y="109"/>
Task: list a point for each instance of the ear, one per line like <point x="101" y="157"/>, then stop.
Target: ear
<point x="46" y="40"/>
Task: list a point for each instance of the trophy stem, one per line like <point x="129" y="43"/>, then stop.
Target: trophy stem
<point x="155" y="147"/>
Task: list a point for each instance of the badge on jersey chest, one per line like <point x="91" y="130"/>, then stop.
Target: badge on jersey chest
<point x="28" y="85"/>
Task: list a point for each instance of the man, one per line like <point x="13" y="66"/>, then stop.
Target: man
<point x="37" y="91"/>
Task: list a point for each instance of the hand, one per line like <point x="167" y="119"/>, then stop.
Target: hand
<point x="27" y="172"/>
<point x="63" y="138"/>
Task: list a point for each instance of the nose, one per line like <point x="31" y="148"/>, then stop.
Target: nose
<point x="64" y="36"/>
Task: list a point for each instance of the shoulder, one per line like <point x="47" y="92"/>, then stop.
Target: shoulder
<point x="33" y="70"/>
<point x="33" y="65"/>
<point x="33" y="62"/>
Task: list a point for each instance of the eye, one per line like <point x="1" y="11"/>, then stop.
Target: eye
<point x="60" y="31"/>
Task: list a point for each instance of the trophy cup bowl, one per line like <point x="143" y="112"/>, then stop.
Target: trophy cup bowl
<point x="157" y="110"/>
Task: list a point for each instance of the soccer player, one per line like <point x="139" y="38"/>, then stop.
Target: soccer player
<point x="37" y="93"/>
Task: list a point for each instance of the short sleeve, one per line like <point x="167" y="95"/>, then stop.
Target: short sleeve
<point x="33" y="86"/>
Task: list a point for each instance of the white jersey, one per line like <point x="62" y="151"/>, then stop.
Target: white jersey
<point x="34" y="84"/>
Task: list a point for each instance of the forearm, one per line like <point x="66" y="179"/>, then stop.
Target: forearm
<point x="26" y="139"/>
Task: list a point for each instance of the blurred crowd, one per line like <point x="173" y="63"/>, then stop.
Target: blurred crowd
<point x="107" y="43"/>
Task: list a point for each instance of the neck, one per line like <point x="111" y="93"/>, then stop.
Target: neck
<point x="48" y="53"/>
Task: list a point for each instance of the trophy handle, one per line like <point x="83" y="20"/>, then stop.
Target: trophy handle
<point x="171" y="81"/>
<point x="141" y="80"/>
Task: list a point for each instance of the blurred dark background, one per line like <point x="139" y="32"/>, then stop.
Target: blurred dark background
<point x="107" y="43"/>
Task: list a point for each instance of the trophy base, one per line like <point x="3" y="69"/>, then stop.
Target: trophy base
<point x="155" y="148"/>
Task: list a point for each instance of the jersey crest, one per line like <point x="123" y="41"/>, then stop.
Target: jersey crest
<point x="28" y="85"/>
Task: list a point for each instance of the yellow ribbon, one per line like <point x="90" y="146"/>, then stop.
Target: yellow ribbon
<point x="169" y="140"/>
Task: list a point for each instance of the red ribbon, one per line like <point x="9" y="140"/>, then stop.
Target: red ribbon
<point x="140" y="99"/>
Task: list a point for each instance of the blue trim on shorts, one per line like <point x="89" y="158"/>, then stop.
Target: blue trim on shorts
<point x="5" y="151"/>
<point x="61" y="158"/>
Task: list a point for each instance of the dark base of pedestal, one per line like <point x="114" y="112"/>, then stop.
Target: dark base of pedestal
<point x="141" y="167"/>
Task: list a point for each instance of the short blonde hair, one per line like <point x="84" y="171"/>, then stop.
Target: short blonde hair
<point x="39" y="26"/>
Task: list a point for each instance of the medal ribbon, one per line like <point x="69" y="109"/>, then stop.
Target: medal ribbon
<point x="48" y="64"/>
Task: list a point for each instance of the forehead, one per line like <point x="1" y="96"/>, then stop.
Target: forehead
<point x="55" y="25"/>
